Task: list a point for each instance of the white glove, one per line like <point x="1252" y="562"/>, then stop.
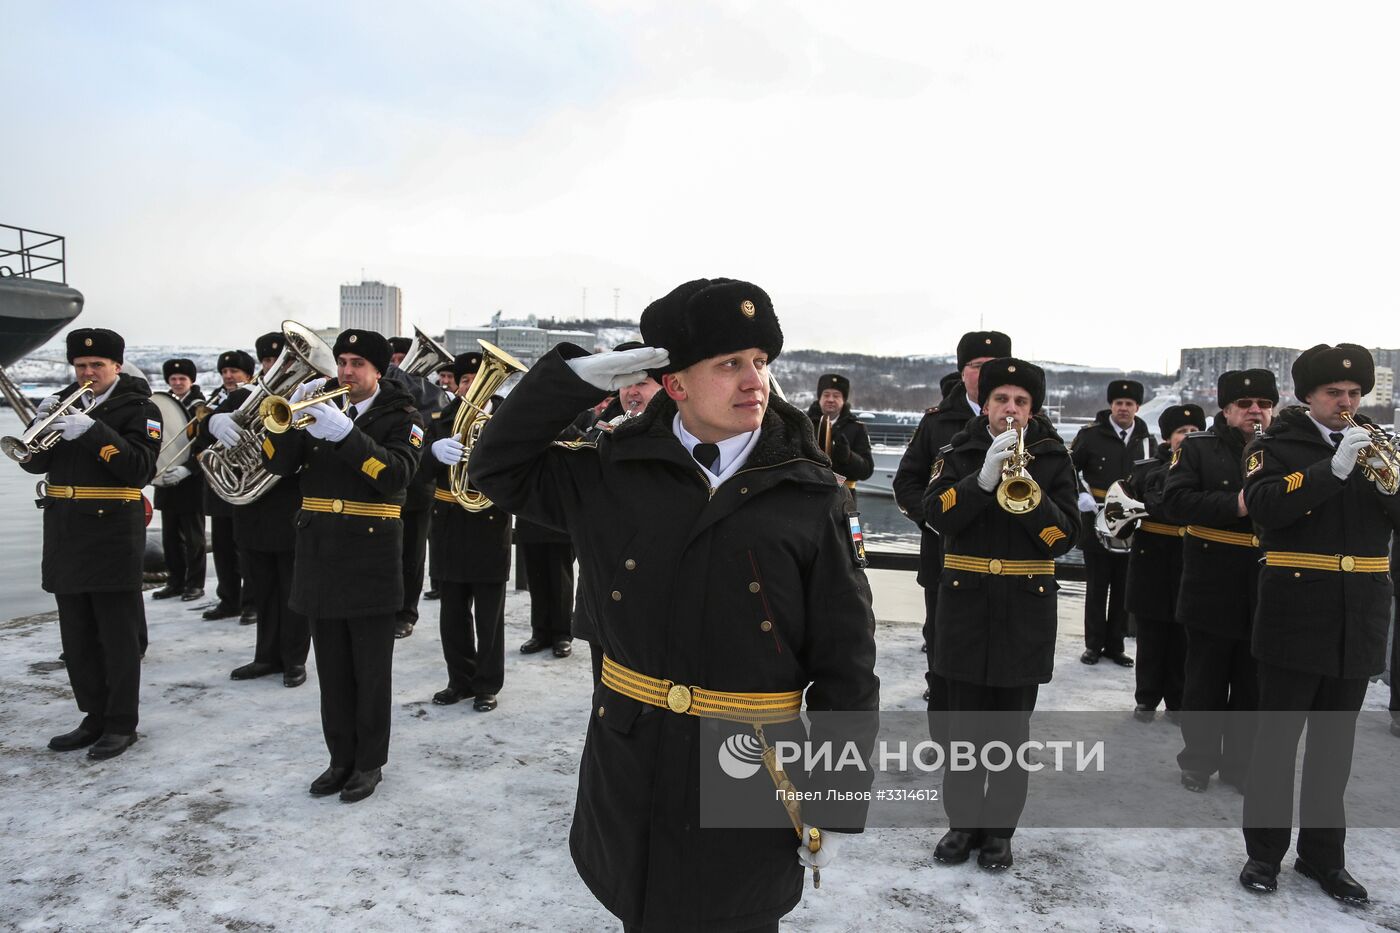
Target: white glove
<point x="73" y="426"/>
<point x="44" y="407"/>
<point x="824" y="856"/>
<point x="613" y="370"/>
<point x="305" y="389"/>
<point x="1349" y="451"/>
<point x="175" y="474"/>
<point x="997" y="454"/>
<point x="448" y="450"/>
<point x="225" y="429"/>
<point x="331" y="423"/>
<point x="1087" y="503"/>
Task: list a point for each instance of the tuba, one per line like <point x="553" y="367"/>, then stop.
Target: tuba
<point x="236" y="474"/>
<point x="1018" y="492"/>
<point x="496" y="367"/>
<point x="1117" y="520"/>
<point x="1382" y="448"/>
<point x="425" y="355"/>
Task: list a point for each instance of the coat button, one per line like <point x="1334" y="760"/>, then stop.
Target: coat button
<point x="743" y="490"/>
<point x="601" y="711"/>
<point x="1297" y="575"/>
<point x="1040" y="589"/>
<point x="630" y="564"/>
<point x="617" y="596"/>
<point x="754" y="587"/>
<point x="371" y="529"/>
<point x="765" y="626"/>
<point x="99" y="512"/>
<point x="955" y="582"/>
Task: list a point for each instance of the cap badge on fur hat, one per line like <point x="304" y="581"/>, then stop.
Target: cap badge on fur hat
<point x="1246" y="380"/>
<point x="747" y="308"/>
<point x="354" y="338"/>
<point x="87" y="341"/>
<point x="1346" y="364"/>
<point x="1011" y="369"/>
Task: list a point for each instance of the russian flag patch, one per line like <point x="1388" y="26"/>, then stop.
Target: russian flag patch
<point x="153" y="429"/>
<point x="415" y="435"/>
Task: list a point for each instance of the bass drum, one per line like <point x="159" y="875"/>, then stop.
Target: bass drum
<point x="173" y="421"/>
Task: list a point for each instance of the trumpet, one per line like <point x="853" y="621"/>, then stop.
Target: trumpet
<point x="1018" y="492"/>
<point x="279" y="415"/>
<point x="40" y="436"/>
<point x="1383" y="449"/>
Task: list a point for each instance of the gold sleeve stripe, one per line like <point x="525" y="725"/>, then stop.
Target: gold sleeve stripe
<point x="108" y="452"/>
<point x="372" y="467"/>
<point x="1294" y="481"/>
<point x="268" y="449"/>
<point x="1050" y="534"/>
<point x="949" y="498"/>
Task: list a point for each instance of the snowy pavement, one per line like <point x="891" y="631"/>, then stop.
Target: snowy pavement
<point x="206" y="822"/>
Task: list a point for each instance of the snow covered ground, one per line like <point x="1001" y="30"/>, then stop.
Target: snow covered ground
<point x="206" y="822"/>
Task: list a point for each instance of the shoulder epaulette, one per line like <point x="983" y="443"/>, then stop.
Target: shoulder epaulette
<point x="946" y="448"/>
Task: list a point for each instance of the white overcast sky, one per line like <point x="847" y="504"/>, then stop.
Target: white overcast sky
<point x="1107" y="182"/>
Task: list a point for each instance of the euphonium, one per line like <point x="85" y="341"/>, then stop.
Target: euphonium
<point x="1018" y="492"/>
<point x="1382" y="448"/>
<point x="41" y="436"/>
<point x="425" y="355"/>
<point x="496" y="367"/>
<point x="279" y="415"/>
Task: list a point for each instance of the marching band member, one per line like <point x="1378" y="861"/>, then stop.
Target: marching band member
<point x="179" y="497"/>
<point x="1324" y="607"/>
<point x="95" y="537"/>
<point x="994" y="639"/>
<point x="939" y="424"/>
<point x="1104" y="452"/>
<point x="267" y="551"/>
<point x="716" y="541"/>
<point x="348" y="580"/>
<point x="448" y="383"/>
<point x="473" y="555"/>
<point x="235" y="369"/>
<point x="1154" y="571"/>
<point x="417" y="510"/>
<point x="840" y="436"/>
<point x="1219" y="580"/>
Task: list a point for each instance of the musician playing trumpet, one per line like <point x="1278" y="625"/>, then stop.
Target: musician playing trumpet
<point x="354" y="467"/>
<point x="994" y="636"/>
<point x="1325" y="525"/>
<point x="94" y="536"/>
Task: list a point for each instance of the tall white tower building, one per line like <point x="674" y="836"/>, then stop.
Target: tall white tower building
<point x="372" y="306"/>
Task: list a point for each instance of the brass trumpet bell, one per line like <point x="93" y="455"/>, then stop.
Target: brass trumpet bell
<point x="1018" y="491"/>
<point x="279" y="415"/>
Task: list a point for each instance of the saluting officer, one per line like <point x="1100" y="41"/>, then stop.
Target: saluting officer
<point x="95" y="536"/>
<point x="841" y="437"/>
<point x="355" y="465"/>
<point x="939" y="424"/>
<point x="473" y="551"/>
<point x="994" y="641"/>
<point x="715" y="538"/>
<point x="1154" y="571"/>
<point x="267" y="551"/>
<point x="236" y="368"/>
<point x="1219" y="580"/>
<point x="180" y="499"/>
<point x="1104" y="452"/>
<point x="1324" y="607"/>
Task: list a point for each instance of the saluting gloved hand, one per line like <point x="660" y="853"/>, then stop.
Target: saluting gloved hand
<point x="225" y="429"/>
<point x="613" y="370"/>
<point x="997" y="454"/>
<point x="1349" y="451"/>
<point x="1087" y="503"/>
<point x="331" y="423"/>
<point x="448" y="450"/>
<point x="824" y="856"/>
<point x="73" y="426"/>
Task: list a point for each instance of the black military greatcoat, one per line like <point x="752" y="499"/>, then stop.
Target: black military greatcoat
<point x="187" y="496"/>
<point x="268" y="523"/>
<point x="96" y="545"/>
<point x="1319" y="621"/>
<point x="1218" y="581"/>
<point x="850" y="444"/>
<point x="999" y="629"/>
<point x="468" y="547"/>
<point x="751" y="587"/>
<point x="1154" y="568"/>
<point x="348" y="566"/>
<point x="911" y="480"/>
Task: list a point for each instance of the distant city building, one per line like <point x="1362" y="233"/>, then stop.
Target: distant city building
<point x="1383" y="394"/>
<point x="372" y="306"/>
<point x="517" y="340"/>
<point x="328" y="334"/>
<point x="1202" y="366"/>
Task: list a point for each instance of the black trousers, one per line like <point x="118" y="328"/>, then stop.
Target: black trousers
<point x="1220" y="692"/>
<point x="1395" y="674"/>
<point x="1288" y="697"/>
<point x="1105" y="583"/>
<point x="549" y="573"/>
<point x="472" y="621"/>
<point x="937" y="686"/>
<point x="284" y="635"/>
<point x="182" y="539"/>
<point x="978" y="800"/>
<point x="354" y="664"/>
<point x="1161" y="661"/>
<point x="226" y="564"/>
<point x="101" y="635"/>
<point x="763" y="928"/>
<point x="415" y="554"/>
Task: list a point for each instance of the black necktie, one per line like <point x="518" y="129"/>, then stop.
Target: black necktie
<point x="1336" y="438"/>
<point x="707" y="455"/>
<point x="353" y="412"/>
<point x="1123" y="436"/>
